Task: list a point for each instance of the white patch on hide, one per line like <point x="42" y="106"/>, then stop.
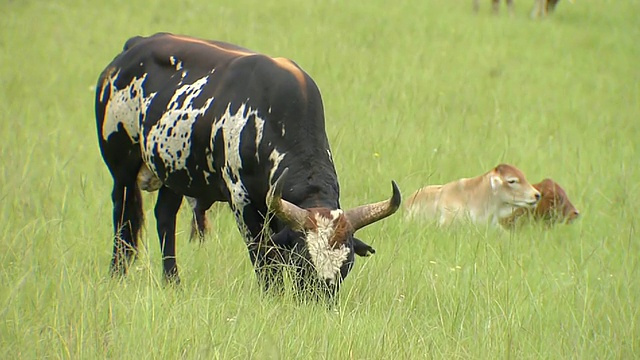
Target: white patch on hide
<point x="232" y="125"/>
<point x="275" y="157"/>
<point x="327" y="261"/>
<point x="171" y="135"/>
<point x="176" y="63"/>
<point x="335" y="213"/>
<point x="259" y="130"/>
<point x="124" y="108"/>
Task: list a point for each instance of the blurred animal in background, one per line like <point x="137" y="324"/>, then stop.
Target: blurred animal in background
<point x="543" y="7"/>
<point x="554" y="207"/>
<point x="495" y="4"/>
<point x="485" y="199"/>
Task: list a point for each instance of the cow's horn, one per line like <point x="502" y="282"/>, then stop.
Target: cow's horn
<point x="291" y="214"/>
<point x="367" y="214"/>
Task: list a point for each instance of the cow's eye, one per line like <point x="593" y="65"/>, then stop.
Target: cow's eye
<point x="512" y="181"/>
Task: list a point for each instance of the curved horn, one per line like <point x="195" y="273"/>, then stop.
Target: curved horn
<point x="368" y="214"/>
<point x="291" y="214"/>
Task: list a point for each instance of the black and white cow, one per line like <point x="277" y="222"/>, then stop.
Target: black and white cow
<point x="217" y="122"/>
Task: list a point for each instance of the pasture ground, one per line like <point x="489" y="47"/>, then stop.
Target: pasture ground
<point x="417" y="91"/>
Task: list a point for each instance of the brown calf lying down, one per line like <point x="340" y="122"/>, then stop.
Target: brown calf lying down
<point x="484" y="199"/>
<point x="543" y="7"/>
<point x="495" y="5"/>
<point x="554" y="207"/>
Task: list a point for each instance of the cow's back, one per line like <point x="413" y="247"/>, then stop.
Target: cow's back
<point x="183" y="101"/>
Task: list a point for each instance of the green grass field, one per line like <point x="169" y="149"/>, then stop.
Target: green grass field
<point x="417" y="91"/>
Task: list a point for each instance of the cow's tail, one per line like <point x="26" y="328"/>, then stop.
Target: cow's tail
<point x="132" y="216"/>
<point x="199" y="224"/>
<point x="138" y="214"/>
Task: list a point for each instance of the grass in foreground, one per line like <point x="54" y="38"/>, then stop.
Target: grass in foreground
<point x="420" y="92"/>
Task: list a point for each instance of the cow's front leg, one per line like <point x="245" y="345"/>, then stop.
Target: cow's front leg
<point x="166" y="210"/>
<point x="268" y="263"/>
<point x="266" y="258"/>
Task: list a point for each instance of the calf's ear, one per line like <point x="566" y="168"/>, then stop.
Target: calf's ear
<point x="496" y="181"/>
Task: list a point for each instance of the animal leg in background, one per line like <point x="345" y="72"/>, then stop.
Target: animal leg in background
<point x="199" y="224"/>
<point x="551" y="5"/>
<point x="495" y="4"/>
<point x="541" y="8"/>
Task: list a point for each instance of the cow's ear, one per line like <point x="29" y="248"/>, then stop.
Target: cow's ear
<point x="496" y="181"/>
<point x="361" y="248"/>
<point x="282" y="239"/>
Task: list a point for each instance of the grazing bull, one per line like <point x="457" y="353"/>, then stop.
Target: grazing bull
<point x="495" y="4"/>
<point x="554" y="207"/>
<point x="482" y="199"/>
<point x="219" y="123"/>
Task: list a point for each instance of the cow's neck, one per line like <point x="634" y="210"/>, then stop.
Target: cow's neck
<point x="315" y="187"/>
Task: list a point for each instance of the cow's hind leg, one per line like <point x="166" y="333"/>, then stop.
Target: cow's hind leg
<point x="127" y="221"/>
<point x="166" y="209"/>
<point x="199" y="224"/>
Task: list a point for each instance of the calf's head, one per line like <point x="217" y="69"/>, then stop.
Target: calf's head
<point x="324" y="238"/>
<point x="554" y="205"/>
<point x="509" y="184"/>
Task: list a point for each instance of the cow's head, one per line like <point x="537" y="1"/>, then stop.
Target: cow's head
<point x="323" y="237"/>
<point x="509" y="184"/>
<point x="554" y="205"/>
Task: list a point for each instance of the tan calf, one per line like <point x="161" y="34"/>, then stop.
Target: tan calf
<point x="483" y="199"/>
<point x="554" y="207"/>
